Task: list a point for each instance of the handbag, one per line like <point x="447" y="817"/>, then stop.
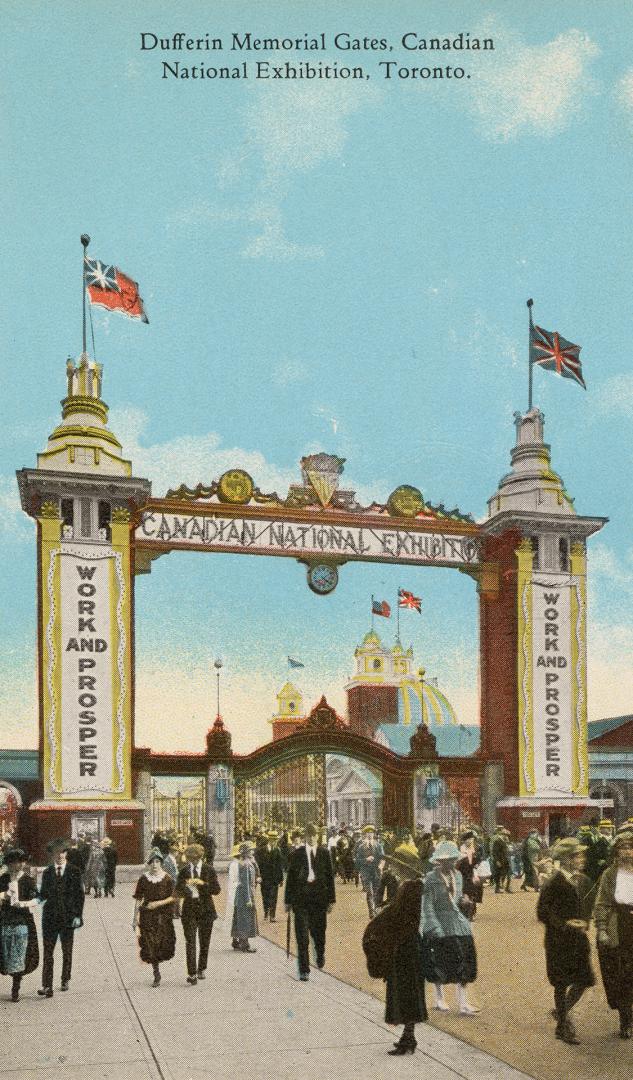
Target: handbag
<point x="483" y="870"/>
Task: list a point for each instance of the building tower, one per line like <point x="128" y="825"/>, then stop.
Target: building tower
<point x="372" y="692"/>
<point x="289" y="716"/>
<point x="83" y="495"/>
<point x="533" y="639"/>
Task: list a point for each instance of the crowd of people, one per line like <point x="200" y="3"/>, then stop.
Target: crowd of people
<point x="422" y="892"/>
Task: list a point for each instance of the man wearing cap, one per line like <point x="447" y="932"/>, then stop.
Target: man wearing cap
<point x="500" y="859"/>
<point x="310" y="893"/>
<point x="369" y="859"/>
<point x="196" y="886"/>
<point x="564" y="906"/>
<point x="271" y="869"/>
<point x="63" y="895"/>
<point x="597" y="841"/>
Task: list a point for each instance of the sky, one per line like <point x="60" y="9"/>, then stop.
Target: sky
<point x="337" y="265"/>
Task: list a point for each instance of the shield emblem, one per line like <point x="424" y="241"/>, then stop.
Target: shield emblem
<point x="322" y="471"/>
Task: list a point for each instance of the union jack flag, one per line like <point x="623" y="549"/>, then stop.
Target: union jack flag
<point x="408" y="600"/>
<point x="554" y="353"/>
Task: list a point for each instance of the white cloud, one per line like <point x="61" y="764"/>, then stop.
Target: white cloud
<point x="272" y="242"/>
<point x="201" y="456"/>
<point x="610" y="685"/>
<point x="610" y="632"/>
<point x="14" y="523"/>
<point x="288" y="130"/>
<point x="616" y="395"/>
<point x="624" y="92"/>
<point x="287" y="372"/>
<point x="295" y="128"/>
<point x="530" y="88"/>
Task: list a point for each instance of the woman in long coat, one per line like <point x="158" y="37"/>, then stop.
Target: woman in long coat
<point x="613" y="915"/>
<point x="244" y="924"/>
<point x="154" y="914"/>
<point x="19" y="952"/>
<point x="564" y="905"/>
<point x="449" y="948"/>
<point x="393" y="948"/>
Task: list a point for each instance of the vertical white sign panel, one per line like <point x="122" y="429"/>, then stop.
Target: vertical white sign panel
<point x="552" y="685"/>
<point x="86" y="673"/>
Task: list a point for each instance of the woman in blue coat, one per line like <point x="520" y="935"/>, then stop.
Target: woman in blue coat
<point x="448" y="945"/>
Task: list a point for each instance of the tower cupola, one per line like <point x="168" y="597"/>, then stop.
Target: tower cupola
<point x="82" y="441"/>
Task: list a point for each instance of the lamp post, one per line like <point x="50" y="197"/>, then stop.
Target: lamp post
<point x="218" y="666"/>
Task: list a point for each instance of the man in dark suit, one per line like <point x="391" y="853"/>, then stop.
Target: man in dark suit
<point x="63" y="895"/>
<point x="271" y="868"/>
<point x="196" y="885"/>
<point x="310" y="893"/>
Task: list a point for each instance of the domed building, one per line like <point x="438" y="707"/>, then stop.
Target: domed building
<point x="387" y="698"/>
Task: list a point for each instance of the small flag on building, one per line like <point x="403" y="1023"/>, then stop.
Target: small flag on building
<point x="554" y="353"/>
<point x="380" y="607"/>
<point x="109" y="287"/>
<point x="408" y="600"/>
<point x="294" y="663"/>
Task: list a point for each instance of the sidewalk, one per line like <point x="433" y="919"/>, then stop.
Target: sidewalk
<point x="251" y="1016"/>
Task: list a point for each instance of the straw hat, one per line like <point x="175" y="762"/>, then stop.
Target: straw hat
<point x="405" y="862"/>
<point x="565" y="849"/>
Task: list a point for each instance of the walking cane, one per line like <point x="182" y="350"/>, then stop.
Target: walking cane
<point x="288" y="935"/>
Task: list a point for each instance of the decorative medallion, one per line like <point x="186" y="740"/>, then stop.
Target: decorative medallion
<point x="322" y="578"/>
<point x="322" y="472"/>
<point x="405" y="501"/>
<point x="49" y="509"/>
<point x="121" y="515"/>
<point x="235" y="486"/>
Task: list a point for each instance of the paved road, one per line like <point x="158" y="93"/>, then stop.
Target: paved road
<point x="251" y="1017"/>
<point x="512" y="990"/>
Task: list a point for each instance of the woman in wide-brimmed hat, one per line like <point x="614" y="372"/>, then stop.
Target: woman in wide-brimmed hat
<point x="449" y="948"/>
<point x="154" y="914"/>
<point x="393" y="948"/>
<point x="244" y="922"/>
<point x="613" y="916"/>
<point x="19" y="952"/>
<point x="564" y="906"/>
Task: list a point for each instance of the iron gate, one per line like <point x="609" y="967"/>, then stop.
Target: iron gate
<point x="288" y="796"/>
<point x="180" y="807"/>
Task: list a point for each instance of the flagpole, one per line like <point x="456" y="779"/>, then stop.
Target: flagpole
<point x="398" y="616"/>
<point x="530" y="364"/>
<point x="372" y="611"/>
<point x="85" y="240"/>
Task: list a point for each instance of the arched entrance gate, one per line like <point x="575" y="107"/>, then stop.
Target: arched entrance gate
<point x="98" y="526"/>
